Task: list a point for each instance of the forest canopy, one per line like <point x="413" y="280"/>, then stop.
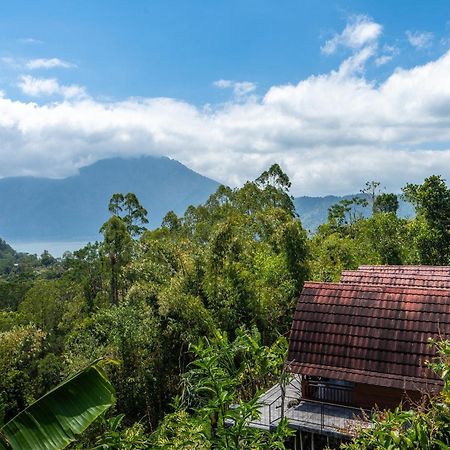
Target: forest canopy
<point x="196" y="311"/>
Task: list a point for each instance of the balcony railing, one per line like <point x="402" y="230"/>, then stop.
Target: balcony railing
<point x="331" y="413"/>
<point x="329" y="393"/>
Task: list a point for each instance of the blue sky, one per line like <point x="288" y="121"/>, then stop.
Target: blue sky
<point x="227" y="70"/>
<point x="178" y="48"/>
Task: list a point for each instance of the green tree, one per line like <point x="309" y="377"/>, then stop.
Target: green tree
<point x="331" y="254"/>
<point x="382" y="239"/>
<point x="85" y="268"/>
<point x="386" y="203"/>
<point x="432" y="229"/>
<point x="225" y="373"/>
<point x="346" y="212"/>
<point x="47" y="259"/>
<point x="130" y="334"/>
<point x="21" y="349"/>
<point x="117" y="247"/>
<point x="128" y="208"/>
<point x="371" y="189"/>
<point x="43" y="305"/>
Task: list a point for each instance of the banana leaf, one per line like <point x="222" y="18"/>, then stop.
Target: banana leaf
<point x="53" y="421"/>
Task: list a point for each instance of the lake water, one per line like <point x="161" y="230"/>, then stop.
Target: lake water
<point x="56" y="249"/>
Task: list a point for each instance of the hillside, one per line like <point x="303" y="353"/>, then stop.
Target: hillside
<point x="76" y="207"/>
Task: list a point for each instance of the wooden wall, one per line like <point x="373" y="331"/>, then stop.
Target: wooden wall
<point x="368" y="396"/>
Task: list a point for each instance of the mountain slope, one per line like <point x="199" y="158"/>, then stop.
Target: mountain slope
<point x="76" y="207"/>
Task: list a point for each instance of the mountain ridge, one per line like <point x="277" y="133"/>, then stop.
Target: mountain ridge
<point x="74" y="208"/>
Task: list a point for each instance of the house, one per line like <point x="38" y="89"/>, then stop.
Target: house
<point x="360" y="344"/>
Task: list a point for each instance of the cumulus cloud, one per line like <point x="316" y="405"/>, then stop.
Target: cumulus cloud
<point x="330" y="132"/>
<point x="50" y="63"/>
<point x="420" y="40"/>
<point x="239" y="88"/>
<point x="360" y="32"/>
<point x="37" y="87"/>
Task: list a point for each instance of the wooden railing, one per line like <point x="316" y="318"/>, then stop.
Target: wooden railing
<point x="329" y="393"/>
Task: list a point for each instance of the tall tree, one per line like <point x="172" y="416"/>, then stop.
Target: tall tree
<point x="128" y="208"/>
<point x="117" y="246"/>
<point x="372" y="189"/>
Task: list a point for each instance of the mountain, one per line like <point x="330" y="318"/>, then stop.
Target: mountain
<point x="74" y="208"/>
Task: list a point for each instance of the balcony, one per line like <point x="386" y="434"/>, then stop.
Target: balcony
<point x="316" y="412"/>
<point x="330" y="392"/>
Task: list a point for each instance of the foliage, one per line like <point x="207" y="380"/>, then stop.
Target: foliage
<point x="12" y="262"/>
<point x="115" y="437"/>
<point x="180" y="430"/>
<point x="134" y="214"/>
<point x="20" y="351"/>
<point x="128" y="334"/>
<point x="53" y="421"/>
<point x="385" y="203"/>
<point x="346" y="212"/>
<point x="372" y="189"/>
<point x="85" y="269"/>
<point x="194" y="309"/>
<point x="117" y="248"/>
<point x="432" y="230"/>
<point x="221" y="391"/>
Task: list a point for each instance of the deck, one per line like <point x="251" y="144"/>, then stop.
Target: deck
<point x="307" y="415"/>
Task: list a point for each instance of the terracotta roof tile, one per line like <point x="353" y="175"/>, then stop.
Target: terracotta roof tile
<point x="368" y="333"/>
<point x="443" y="270"/>
<point x="394" y="277"/>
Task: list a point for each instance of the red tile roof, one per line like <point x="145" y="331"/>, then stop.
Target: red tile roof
<point x="397" y="278"/>
<point x="369" y="334"/>
<point x="438" y="270"/>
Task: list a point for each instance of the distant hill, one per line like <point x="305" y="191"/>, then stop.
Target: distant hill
<point x="313" y="211"/>
<point x="74" y="208"/>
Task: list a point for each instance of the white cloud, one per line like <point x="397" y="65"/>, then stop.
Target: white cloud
<point x="420" y="40"/>
<point x="388" y="53"/>
<point x="330" y="132"/>
<point x="51" y="63"/>
<point x="30" y="40"/>
<point x="37" y="87"/>
<point x="359" y="32"/>
<point x="240" y="88"/>
<point x="38" y="63"/>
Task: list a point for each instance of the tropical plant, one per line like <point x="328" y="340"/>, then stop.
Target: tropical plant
<point x="221" y="395"/>
<point x="54" y="421"/>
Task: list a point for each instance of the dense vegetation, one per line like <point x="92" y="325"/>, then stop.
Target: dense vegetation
<point x="195" y="311"/>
